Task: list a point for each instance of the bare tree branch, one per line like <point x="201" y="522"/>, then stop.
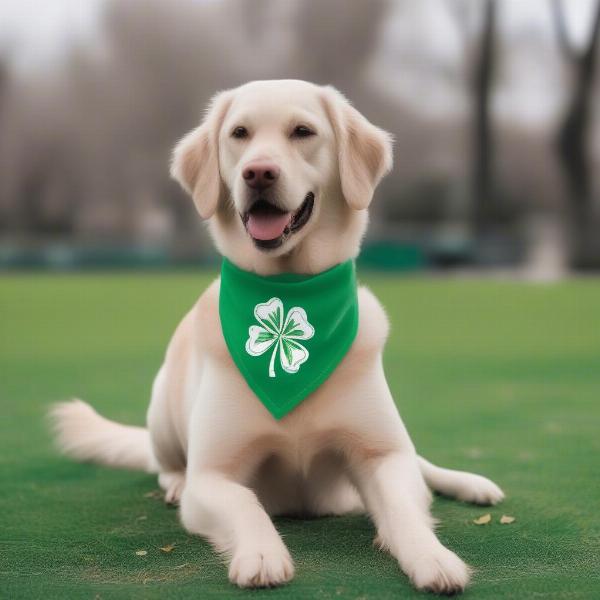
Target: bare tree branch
<point x="590" y="53"/>
<point x="559" y="19"/>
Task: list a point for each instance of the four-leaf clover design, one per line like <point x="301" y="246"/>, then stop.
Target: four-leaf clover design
<point x="279" y="334"/>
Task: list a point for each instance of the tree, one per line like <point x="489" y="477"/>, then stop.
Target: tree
<point x="335" y="40"/>
<point x="572" y="139"/>
<point x="483" y="76"/>
<point x="480" y="61"/>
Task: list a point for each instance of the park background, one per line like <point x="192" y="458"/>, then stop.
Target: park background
<point x="484" y="247"/>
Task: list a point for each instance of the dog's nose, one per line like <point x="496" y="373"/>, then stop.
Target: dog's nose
<point x="259" y="175"/>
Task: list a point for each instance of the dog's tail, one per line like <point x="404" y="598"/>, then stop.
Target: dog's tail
<point x="86" y="436"/>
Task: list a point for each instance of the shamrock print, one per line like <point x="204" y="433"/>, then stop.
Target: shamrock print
<point x="280" y="335"/>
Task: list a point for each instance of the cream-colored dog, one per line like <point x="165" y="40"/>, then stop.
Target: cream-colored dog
<point x="284" y="172"/>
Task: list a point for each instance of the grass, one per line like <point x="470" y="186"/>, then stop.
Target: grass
<point x="495" y="377"/>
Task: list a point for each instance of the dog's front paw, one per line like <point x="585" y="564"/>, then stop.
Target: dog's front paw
<point x="261" y="569"/>
<point x="172" y="484"/>
<point x="439" y="571"/>
<point x="479" y="490"/>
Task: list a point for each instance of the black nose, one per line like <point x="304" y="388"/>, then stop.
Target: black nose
<point x="260" y="175"/>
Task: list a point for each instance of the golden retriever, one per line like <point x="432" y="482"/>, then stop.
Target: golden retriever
<point x="304" y="150"/>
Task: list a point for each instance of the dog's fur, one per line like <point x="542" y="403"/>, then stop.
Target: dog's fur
<point x="215" y="447"/>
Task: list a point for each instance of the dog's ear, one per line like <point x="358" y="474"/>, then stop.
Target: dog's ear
<point x="364" y="151"/>
<point x="195" y="162"/>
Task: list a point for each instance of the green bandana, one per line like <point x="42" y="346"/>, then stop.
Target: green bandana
<point x="287" y="333"/>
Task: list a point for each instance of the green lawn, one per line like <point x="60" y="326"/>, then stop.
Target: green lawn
<point x="499" y="378"/>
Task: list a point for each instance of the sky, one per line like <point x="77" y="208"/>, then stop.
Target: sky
<point x="37" y="31"/>
<point x="527" y="70"/>
<point x="522" y="15"/>
<point x="36" y="34"/>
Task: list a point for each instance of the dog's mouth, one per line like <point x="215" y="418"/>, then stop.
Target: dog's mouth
<point x="269" y="226"/>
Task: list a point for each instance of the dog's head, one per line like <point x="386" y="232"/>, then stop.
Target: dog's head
<point x="276" y="164"/>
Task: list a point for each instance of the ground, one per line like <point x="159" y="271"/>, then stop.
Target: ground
<point x="495" y="377"/>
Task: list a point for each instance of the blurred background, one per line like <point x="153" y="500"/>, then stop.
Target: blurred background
<point x="493" y="104"/>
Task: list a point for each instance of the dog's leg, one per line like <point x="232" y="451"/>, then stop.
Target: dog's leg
<point x="467" y="487"/>
<point x="172" y="484"/>
<point x="166" y="445"/>
<point x="232" y="518"/>
<point x="338" y="499"/>
<point x="328" y="490"/>
<point x="398" y="500"/>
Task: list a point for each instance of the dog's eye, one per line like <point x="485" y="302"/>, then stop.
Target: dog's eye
<point x="302" y="131"/>
<point x="239" y="133"/>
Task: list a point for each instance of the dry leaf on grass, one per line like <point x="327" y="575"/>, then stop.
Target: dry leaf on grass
<point x="153" y="494"/>
<point x="141" y="552"/>
<point x="168" y="548"/>
<point x="483" y="520"/>
<point x="506" y="519"/>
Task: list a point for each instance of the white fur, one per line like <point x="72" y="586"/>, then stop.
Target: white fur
<point x="345" y="448"/>
<point x="85" y="435"/>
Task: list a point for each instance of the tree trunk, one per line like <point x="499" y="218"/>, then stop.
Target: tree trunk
<point x="482" y="184"/>
<point x="572" y="143"/>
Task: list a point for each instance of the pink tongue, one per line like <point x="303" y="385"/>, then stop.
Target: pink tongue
<point x="267" y="226"/>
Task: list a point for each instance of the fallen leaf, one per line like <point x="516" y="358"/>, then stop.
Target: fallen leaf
<point x="141" y="552"/>
<point x="483" y="520"/>
<point x="506" y="519"/>
<point x="168" y="548"/>
<point x="153" y="494"/>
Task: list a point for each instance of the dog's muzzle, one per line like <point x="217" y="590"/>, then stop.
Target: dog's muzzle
<point x="269" y="226"/>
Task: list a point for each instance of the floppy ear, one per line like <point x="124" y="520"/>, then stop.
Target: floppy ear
<point x="364" y="151"/>
<point x="195" y="162"/>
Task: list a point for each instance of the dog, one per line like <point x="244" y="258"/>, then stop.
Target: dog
<point x="310" y="162"/>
